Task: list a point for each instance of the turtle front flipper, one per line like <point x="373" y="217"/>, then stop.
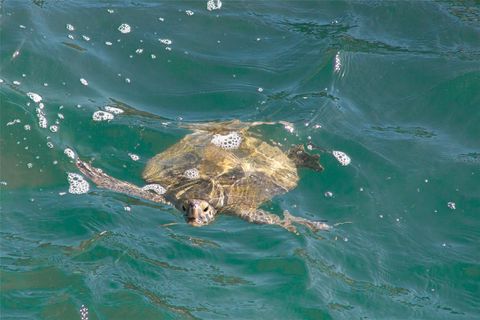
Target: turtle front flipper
<point x="304" y="159"/>
<point x="260" y="216"/>
<point x="103" y="180"/>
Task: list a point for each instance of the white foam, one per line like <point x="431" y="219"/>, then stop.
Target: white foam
<point x="70" y="153"/>
<point x="113" y="110"/>
<point x="17" y="83"/>
<point x="108" y="43"/>
<point x="27" y="127"/>
<point x="124" y="28"/>
<point x="341" y="157"/>
<point x="229" y="141"/>
<point x="78" y="185"/>
<point x="102" y="116"/>
<point x="34" y="96"/>
<point x="70" y="27"/>
<point x="191" y="173"/>
<point x="133" y="156"/>
<point x="214" y="5"/>
<point x="155" y="188"/>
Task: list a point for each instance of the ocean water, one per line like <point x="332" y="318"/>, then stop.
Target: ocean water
<point x="395" y="85"/>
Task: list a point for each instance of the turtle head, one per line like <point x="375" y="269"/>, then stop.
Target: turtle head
<point x="198" y="212"/>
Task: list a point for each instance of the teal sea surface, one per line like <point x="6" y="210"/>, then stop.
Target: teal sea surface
<point x="393" y="84"/>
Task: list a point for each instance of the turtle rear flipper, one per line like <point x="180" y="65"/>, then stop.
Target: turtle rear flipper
<point x="304" y="159"/>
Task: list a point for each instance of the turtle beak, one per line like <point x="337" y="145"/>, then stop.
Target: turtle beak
<point x="198" y="213"/>
<point x="193" y="213"/>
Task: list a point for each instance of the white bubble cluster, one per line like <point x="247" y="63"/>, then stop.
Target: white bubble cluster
<point x="124" y="28"/>
<point x="54" y="128"/>
<point x="70" y="153"/>
<point x="70" y="27"/>
<point x="83" y="313"/>
<point x="133" y="156"/>
<point x="78" y="185"/>
<point x="342" y="157"/>
<point x="451" y="205"/>
<point x="102" y="116"/>
<point x="34" y="96"/>
<point x="229" y="141"/>
<point x="214" y="5"/>
<point x="191" y="173"/>
<point x="189" y="12"/>
<point x="155" y="188"/>
<point x="42" y="120"/>
<point x="165" y="41"/>
<point x="113" y="110"/>
<point x="338" y="62"/>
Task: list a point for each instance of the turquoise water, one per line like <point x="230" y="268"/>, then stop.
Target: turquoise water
<point x="395" y="85"/>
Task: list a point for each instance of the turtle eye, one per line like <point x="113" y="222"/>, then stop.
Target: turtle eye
<point x="183" y="208"/>
<point x="206" y="209"/>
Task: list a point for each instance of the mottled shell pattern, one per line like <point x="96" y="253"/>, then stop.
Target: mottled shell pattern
<point x="232" y="170"/>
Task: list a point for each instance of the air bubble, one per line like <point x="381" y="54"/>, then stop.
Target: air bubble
<point x="78" y="185"/>
<point x="229" y="141"/>
<point x="155" y="188"/>
<point x="191" y="173"/>
<point x="102" y="116"/>
<point x="70" y="153"/>
<point x="124" y="28"/>
<point x="139" y="51"/>
<point x="342" y="157"/>
<point x="165" y="41"/>
<point x="328" y="194"/>
<point x="53" y="128"/>
<point x="70" y="27"/>
<point x="86" y="38"/>
<point x="84" y="82"/>
<point x="451" y="205"/>
<point x="13" y="122"/>
<point x="133" y="156"/>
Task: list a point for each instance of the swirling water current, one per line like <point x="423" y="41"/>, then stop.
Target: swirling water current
<point x="395" y="85"/>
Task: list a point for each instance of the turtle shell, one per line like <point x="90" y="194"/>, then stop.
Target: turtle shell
<point x="233" y="171"/>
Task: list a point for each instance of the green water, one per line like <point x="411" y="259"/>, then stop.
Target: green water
<point x="395" y="85"/>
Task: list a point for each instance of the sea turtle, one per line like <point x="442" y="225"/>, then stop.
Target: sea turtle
<point x="219" y="168"/>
